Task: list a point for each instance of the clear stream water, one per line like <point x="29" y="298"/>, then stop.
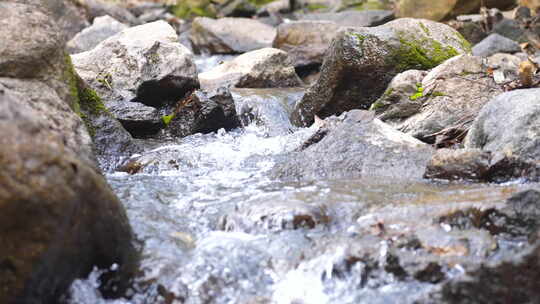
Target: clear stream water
<point x="215" y="228"/>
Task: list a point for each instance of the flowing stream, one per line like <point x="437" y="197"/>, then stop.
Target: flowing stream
<point x="215" y="228"/>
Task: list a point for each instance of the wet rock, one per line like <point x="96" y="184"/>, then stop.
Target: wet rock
<point x="472" y="242"/>
<point x="478" y="165"/>
<point x="305" y="41"/>
<point x="352" y="18"/>
<point x="444" y="104"/>
<point x="519" y="135"/>
<point x="275" y="216"/>
<point x="140" y="120"/>
<point x="467" y="164"/>
<point x="58" y="217"/>
<point x="508" y="282"/>
<point x="46" y="185"/>
<point x="493" y="44"/>
<point x="230" y="35"/>
<point x="513" y="279"/>
<point x="441" y="10"/>
<point x="101" y="29"/>
<point x="203" y="112"/>
<point x="355" y="145"/>
<point x="97" y="8"/>
<point x="269" y="108"/>
<point x="138" y="70"/>
<point x="517" y="219"/>
<point x="360" y="63"/>
<point x="264" y="68"/>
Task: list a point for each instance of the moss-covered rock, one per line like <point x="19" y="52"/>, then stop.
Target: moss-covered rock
<point x="360" y="63"/>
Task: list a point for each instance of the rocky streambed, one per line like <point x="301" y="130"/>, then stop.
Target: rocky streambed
<point x="327" y="153"/>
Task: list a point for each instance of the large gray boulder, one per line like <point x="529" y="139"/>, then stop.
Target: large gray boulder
<point x="509" y="123"/>
<point x="230" y="35"/>
<point x="58" y="217"/>
<point x="138" y="70"/>
<point x="264" y="68"/>
<point x="356" y="145"/>
<point x="362" y="61"/>
<point x="305" y="41"/>
<point x="449" y="96"/>
<point x="101" y="29"/>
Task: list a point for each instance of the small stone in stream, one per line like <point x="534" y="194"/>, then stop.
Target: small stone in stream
<point x="433" y="273"/>
<point x="493" y="44"/>
<point x="203" y="112"/>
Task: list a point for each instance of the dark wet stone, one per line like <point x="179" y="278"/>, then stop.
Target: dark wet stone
<point x="203" y="112"/>
<point x="433" y="273"/>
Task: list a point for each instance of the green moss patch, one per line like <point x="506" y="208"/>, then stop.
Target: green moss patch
<point x="425" y="29"/>
<point x="70" y="77"/>
<point x="419" y="92"/>
<point x="167" y="119"/>
<point x="190" y="9"/>
<point x="259" y="2"/>
<point x="421" y="53"/>
<point x="315" y="7"/>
